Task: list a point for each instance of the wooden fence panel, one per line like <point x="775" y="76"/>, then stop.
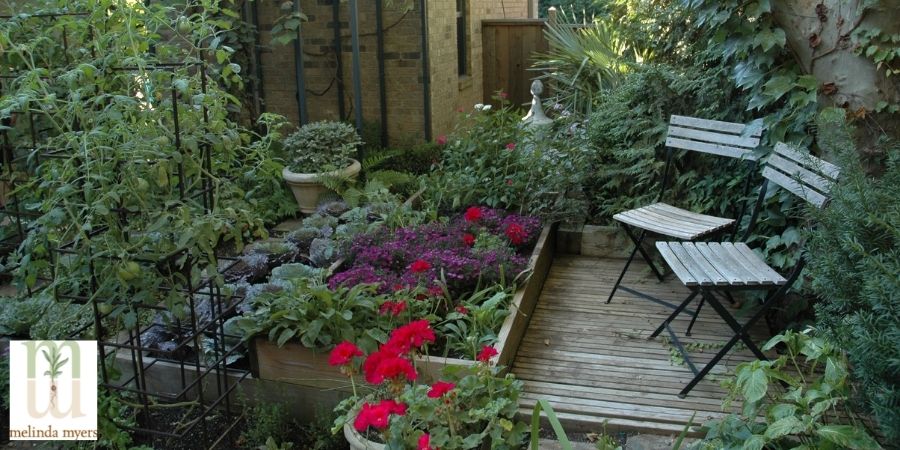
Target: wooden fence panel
<point x="509" y="47"/>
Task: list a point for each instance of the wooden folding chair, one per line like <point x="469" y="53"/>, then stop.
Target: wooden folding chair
<point x="733" y="140"/>
<point x="707" y="267"/>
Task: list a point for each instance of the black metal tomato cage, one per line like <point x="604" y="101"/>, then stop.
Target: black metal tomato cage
<point x="208" y="385"/>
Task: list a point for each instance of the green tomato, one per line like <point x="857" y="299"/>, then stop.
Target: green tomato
<point x="104" y="308"/>
<point x="162" y="141"/>
<point x="128" y="271"/>
<point x="183" y="25"/>
<point x="142" y="185"/>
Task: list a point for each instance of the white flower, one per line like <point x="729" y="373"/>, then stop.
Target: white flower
<point x="479" y="106"/>
<point x="486" y="108"/>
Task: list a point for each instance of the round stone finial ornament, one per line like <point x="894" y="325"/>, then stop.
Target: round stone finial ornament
<point x="536" y="116"/>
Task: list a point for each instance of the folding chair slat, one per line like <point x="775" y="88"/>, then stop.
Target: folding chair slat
<point x="630" y="218"/>
<point x="795" y="171"/>
<point x="737" y="262"/>
<point x="698" y="273"/>
<point x="713" y="149"/>
<point x="674" y="222"/>
<point x="680" y="271"/>
<point x="725" y="266"/>
<point x="712" y="221"/>
<point x="823" y="167"/>
<point x="749" y="265"/>
<point x="792" y="185"/>
<point x="717" y="278"/>
<point x="715" y="125"/>
<point x="713" y="137"/>
<point x="750" y="255"/>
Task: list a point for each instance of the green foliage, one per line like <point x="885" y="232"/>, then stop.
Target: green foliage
<point x="476" y="323"/>
<point x="582" y="63"/>
<point x="311" y="313"/>
<point x="854" y="261"/>
<point x="809" y="413"/>
<point x="116" y="153"/>
<point x="321" y="147"/>
<point x="628" y="131"/>
<point x="492" y="160"/>
<point x="578" y="11"/>
<point x="266" y="421"/>
<point x="414" y="159"/>
<point x="543" y="405"/>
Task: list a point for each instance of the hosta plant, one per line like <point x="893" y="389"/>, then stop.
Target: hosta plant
<point x="463" y="410"/>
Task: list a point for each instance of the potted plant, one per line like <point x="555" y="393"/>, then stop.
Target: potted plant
<point x="464" y="409"/>
<point x="316" y="152"/>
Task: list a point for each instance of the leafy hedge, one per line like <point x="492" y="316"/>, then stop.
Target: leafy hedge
<point x="854" y="256"/>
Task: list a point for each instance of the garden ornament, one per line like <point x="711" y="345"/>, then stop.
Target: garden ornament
<point x="536" y="116"/>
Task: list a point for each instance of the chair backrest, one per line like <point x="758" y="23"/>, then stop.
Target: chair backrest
<point x="734" y="140"/>
<point x="805" y="175"/>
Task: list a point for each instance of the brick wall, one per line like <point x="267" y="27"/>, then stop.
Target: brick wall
<point x="403" y="62"/>
<point x="450" y="92"/>
<point x="403" y="66"/>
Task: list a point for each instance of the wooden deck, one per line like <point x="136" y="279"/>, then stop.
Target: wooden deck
<point x="593" y="362"/>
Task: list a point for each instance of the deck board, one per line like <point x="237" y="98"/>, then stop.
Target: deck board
<point x="593" y="363"/>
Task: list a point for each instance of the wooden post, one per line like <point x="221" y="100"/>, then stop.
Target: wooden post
<point x="552" y="15"/>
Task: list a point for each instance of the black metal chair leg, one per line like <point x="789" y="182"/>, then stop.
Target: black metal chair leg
<point x="674" y="314"/>
<point x="694" y="317"/>
<point x="640" y="248"/>
<point x="740" y="331"/>
<point x="637" y="246"/>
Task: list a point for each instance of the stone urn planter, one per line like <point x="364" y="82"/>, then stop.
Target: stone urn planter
<point x="308" y="188"/>
<point x="357" y="441"/>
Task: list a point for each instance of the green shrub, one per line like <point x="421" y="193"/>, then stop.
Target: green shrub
<point x="854" y="262"/>
<point x="321" y="146"/>
<point x="264" y="421"/>
<point x="628" y="132"/>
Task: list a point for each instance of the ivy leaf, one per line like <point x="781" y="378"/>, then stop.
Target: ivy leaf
<point x="767" y="38"/>
<point x="847" y="436"/>
<point x="778" y="86"/>
<point x="758" y="8"/>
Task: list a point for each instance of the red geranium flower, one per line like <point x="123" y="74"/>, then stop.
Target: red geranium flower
<point x="419" y="266"/>
<point x="378" y="415"/>
<point x="343" y="353"/>
<point x="462" y="309"/>
<point x="425" y="442"/>
<point x="468" y="239"/>
<point x="441" y="140"/>
<point x="394" y="308"/>
<point x="440" y="388"/>
<point x="472" y="214"/>
<point x="516" y="233"/>
<point x="435" y="291"/>
<point x="511" y="146"/>
<point x="393" y="367"/>
<point x="370" y="365"/>
<point x="411" y="335"/>
<point x="487" y="352"/>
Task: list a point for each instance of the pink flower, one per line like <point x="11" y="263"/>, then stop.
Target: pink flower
<point x="503" y="94"/>
<point x="441" y="140"/>
<point x="472" y="214"/>
<point x="425" y="442"/>
<point x="468" y="239"/>
<point x="440" y="388"/>
<point x="511" y="146"/>
<point x="487" y="352"/>
<point x="419" y="266"/>
<point x="509" y="182"/>
<point x="343" y="353"/>
<point x="462" y="309"/>
<point x="436" y="291"/>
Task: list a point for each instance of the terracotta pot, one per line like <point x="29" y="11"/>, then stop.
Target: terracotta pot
<point x="357" y="441"/>
<point x="308" y="189"/>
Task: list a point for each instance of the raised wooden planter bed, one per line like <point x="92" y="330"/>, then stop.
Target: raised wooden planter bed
<point x="295" y="364"/>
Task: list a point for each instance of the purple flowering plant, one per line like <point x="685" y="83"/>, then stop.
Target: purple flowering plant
<point x="482" y="247"/>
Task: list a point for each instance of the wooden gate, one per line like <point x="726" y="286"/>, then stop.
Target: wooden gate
<point x="509" y="46"/>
